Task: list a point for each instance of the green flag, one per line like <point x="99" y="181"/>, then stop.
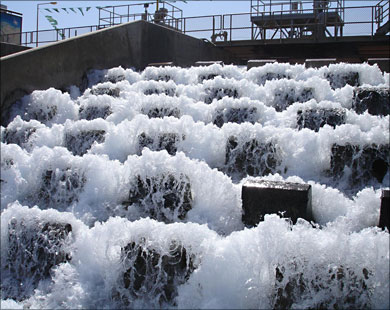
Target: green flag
<point x="81" y="10"/>
<point x="73" y="10"/>
<point x="65" y="10"/>
<point x="54" y="24"/>
<point x="48" y="10"/>
<point x="55" y="9"/>
<point x="52" y="21"/>
<point x="88" y="8"/>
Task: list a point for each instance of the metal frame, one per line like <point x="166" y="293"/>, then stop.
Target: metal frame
<point x="166" y="14"/>
<point x="230" y="27"/>
<point x="297" y="19"/>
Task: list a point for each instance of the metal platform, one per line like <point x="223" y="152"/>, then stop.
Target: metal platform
<point x="297" y="19"/>
<point x="286" y="20"/>
<point x="297" y="24"/>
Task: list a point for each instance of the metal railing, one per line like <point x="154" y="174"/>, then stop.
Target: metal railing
<point x="358" y="20"/>
<point x="165" y="13"/>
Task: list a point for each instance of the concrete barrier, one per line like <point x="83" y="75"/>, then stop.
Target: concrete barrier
<point x="64" y="63"/>
<point x="384" y="219"/>
<point x="318" y="63"/>
<point x="267" y="197"/>
<point x="161" y="64"/>
<point x="383" y="63"/>
<point x="208" y="63"/>
<point x="258" y="62"/>
<point x="8" y="48"/>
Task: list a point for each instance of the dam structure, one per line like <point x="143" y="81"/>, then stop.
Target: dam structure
<point x="144" y="168"/>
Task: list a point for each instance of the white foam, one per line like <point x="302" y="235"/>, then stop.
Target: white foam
<point x="235" y="267"/>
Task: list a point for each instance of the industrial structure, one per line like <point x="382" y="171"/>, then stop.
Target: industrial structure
<point x="136" y="35"/>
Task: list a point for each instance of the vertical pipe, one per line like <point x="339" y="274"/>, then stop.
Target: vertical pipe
<point x="231" y="21"/>
<point x="252" y="31"/>
<point x="213" y="27"/>
<point x="37" y="23"/>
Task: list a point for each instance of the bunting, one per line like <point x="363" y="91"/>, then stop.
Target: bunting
<point x="77" y="10"/>
<point x="54" y="24"/>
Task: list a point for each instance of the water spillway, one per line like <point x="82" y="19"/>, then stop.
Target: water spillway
<point x="130" y="191"/>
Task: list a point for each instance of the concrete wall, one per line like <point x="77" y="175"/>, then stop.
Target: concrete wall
<point x="64" y="63"/>
<point x="8" y="48"/>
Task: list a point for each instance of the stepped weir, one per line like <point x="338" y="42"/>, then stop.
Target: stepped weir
<point x="158" y="171"/>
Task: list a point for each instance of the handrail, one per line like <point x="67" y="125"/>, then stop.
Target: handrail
<point x="230" y="26"/>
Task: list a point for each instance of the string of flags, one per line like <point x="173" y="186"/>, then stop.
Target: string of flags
<point x="54" y="22"/>
<point x="74" y="10"/>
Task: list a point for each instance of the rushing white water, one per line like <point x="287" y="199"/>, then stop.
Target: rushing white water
<point x="128" y="194"/>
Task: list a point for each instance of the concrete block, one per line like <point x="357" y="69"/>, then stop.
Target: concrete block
<point x="384" y="219"/>
<point x="151" y="274"/>
<point x="235" y="115"/>
<point x="258" y="62"/>
<point x="165" y="197"/>
<point x="383" y="63"/>
<point x="219" y="93"/>
<point x="267" y="197"/>
<point x="251" y="157"/>
<point x="161" y="64"/>
<point x="34" y="250"/>
<point x="208" y="63"/>
<point x="90" y="111"/>
<point x="59" y="188"/>
<point x="360" y="164"/>
<point x="319" y="62"/>
<point x="339" y="80"/>
<point x="164" y="141"/>
<point x="284" y="97"/>
<point x="314" y="119"/>
<point x="372" y="99"/>
<point x="79" y="143"/>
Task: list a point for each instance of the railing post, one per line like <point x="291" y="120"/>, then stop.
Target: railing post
<point x="252" y="31"/>
<point x="213" y="28"/>
<point x="231" y="21"/>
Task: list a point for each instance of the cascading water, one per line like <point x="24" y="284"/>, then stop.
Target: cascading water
<point x="128" y="194"/>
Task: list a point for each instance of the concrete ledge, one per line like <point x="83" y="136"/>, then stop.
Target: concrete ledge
<point x="208" y="63"/>
<point x="266" y="197"/>
<point x="384" y="219"/>
<point x="161" y="64"/>
<point x="318" y="63"/>
<point x="258" y="62"/>
<point x="64" y="63"/>
<point x="383" y="63"/>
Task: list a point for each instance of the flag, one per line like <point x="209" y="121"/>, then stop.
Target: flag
<point x="54" y="24"/>
<point x="48" y="10"/>
<point x="81" y="10"/>
<point x="65" y="10"/>
<point x="52" y="21"/>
